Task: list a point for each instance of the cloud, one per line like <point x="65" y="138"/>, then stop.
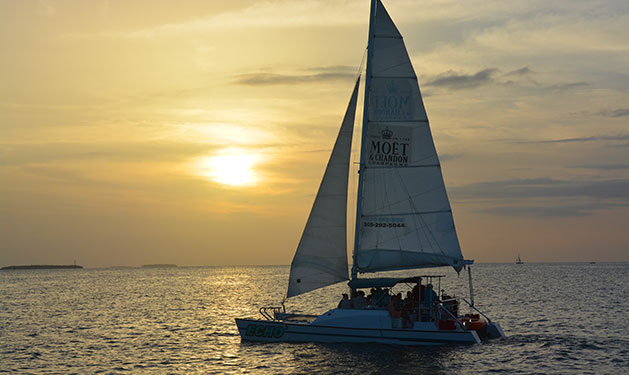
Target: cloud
<point x="260" y="15"/>
<point x="621" y="137"/>
<point x="38" y="153"/>
<point x="456" y="81"/>
<point x="603" y="166"/>
<point x="620" y="112"/>
<point x="544" y="197"/>
<point x="615" y="189"/>
<point x="540" y="210"/>
<point x="568" y="86"/>
<point x="318" y="75"/>
<point x="519" y="72"/>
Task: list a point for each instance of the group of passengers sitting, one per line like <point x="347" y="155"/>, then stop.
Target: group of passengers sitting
<point x="416" y="306"/>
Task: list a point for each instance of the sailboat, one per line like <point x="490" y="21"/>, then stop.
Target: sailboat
<point x="518" y="260"/>
<point x="403" y="221"/>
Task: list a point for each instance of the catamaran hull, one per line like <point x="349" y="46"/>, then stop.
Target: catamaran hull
<point x="277" y="331"/>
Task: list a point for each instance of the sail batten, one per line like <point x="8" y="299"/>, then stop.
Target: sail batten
<point x="321" y="256"/>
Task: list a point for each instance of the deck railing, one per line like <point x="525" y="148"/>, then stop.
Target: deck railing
<point x="274" y="310"/>
<point x="452" y="315"/>
<point x="477" y="310"/>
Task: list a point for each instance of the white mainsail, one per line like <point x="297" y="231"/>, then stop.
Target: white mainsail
<point x="405" y="216"/>
<point x="321" y="256"/>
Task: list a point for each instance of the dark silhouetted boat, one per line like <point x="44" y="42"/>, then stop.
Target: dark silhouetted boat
<point x="403" y="221"/>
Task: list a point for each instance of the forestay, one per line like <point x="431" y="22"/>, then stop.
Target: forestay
<point x="321" y="256"/>
<point x="406" y="220"/>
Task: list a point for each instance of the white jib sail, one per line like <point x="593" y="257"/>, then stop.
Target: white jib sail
<point x="406" y="220"/>
<point x="321" y="256"/>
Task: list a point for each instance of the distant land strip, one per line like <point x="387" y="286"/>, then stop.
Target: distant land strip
<point x="42" y="267"/>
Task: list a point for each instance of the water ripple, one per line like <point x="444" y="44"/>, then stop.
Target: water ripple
<point x="180" y="321"/>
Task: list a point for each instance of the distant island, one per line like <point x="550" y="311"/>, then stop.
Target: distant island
<point x="42" y="267"/>
<point x="159" y="265"/>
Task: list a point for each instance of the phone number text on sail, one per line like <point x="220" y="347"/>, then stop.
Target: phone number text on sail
<point x="386" y="222"/>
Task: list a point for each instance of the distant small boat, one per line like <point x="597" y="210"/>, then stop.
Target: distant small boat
<point x="592" y="262"/>
<point x="519" y="261"/>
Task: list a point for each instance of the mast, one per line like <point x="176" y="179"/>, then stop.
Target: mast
<point x="361" y="165"/>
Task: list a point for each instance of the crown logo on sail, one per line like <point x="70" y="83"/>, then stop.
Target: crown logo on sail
<point x="386" y="133"/>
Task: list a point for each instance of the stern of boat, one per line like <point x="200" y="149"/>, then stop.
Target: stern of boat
<point x="494" y="331"/>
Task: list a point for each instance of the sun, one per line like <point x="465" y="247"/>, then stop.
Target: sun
<point x="232" y="166"/>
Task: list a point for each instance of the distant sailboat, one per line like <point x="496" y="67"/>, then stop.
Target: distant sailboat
<point x="518" y="260"/>
<point x="403" y="221"/>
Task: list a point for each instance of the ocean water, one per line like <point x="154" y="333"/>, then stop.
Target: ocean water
<point x="558" y="318"/>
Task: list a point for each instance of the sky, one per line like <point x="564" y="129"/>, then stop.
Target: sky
<point x="196" y="132"/>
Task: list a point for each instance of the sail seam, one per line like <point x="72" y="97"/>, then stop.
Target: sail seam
<point x="410" y="213"/>
<point x="404" y="166"/>
<point x="395" y="77"/>
<point x="381" y="71"/>
<point x="388" y="36"/>
<point x="387" y="121"/>
<point x="407" y="251"/>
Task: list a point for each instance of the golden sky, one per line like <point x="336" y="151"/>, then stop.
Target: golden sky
<point x="196" y="132"/>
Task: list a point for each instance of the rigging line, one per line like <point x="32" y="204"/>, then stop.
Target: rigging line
<point x="425" y="227"/>
<point x="417" y="225"/>
<point x="362" y="64"/>
<point x="421" y="219"/>
<point x="395" y="229"/>
<point x="430" y="235"/>
<point x="384" y="199"/>
<point x="383" y="208"/>
<point x="392" y="171"/>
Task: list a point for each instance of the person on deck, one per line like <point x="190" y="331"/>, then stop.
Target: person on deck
<point x="378" y="299"/>
<point x="345" y="302"/>
<point x="407" y="309"/>
<point x="430" y="297"/>
<point x="395" y="310"/>
<point x="359" y="301"/>
<point x="428" y="302"/>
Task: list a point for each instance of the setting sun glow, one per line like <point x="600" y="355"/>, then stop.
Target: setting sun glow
<point x="233" y="167"/>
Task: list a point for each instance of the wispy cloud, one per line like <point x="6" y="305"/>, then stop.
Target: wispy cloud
<point x="594" y="138"/>
<point x="263" y="14"/>
<point x="457" y="80"/>
<point x="603" y="166"/>
<point x="312" y="75"/>
<point x="454" y="80"/>
<point x="519" y="72"/>
<point x="548" y="211"/>
<point x="620" y="112"/>
<point x="545" y="197"/>
<point x="568" y="86"/>
<point x="43" y="153"/>
<point x="545" y="188"/>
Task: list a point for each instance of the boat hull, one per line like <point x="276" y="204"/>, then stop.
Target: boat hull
<point x="278" y="331"/>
